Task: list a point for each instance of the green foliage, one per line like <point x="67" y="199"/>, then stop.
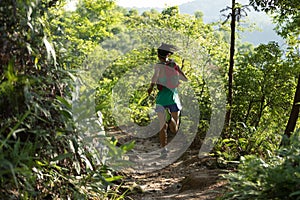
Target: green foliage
<point x="113" y="73"/>
<point x="286" y="15"/>
<point x="141" y="104"/>
<point x="42" y="155"/>
<point x="263" y="87"/>
<point x="43" y="150"/>
<point x="276" y="177"/>
<point x="77" y="33"/>
<point x="247" y="140"/>
<point x="192" y="28"/>
<point x="263" y="96"/>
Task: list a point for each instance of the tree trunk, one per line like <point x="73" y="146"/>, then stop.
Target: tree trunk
<point x="261" y="109"/>
<point x="231" y="64"/>
<point x="248" y="111"/>
<point x="294" y="112"/>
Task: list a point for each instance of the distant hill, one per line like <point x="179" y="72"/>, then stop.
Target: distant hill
<point x="211" y="10"/>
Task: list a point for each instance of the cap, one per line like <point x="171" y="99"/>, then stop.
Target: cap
<point x="168" y="47"/>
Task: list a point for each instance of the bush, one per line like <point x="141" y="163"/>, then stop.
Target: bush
<point x="277" y="177"/>
<point x="41" y="153"/>
<point x="247" y="140"/>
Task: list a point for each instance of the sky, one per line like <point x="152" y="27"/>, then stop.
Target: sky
<point x="150" y="3"/>
<point x="145" y="3"/>
<point x="138" y="3"/>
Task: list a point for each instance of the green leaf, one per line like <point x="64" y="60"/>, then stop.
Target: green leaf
<point x="14" y="129"/>
<point x="242" y="140"/>
<point x="64" y="102"/>
<point x="114" y="178"/>
<point x="62" y="156"/>
<point x="295" y="193"/>
<point x="11" y="76"/>
<point x="77" y="167"/>
<point x="50" y="50"/>
<point x="228" y="140"/>
<point x="128" y="146"/>
<point x="40" y="163"/>
<point x="12" y="170"/>
<point x="143" y="98"/>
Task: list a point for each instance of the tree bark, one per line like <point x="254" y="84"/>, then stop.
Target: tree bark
<point x="290" y="127"/>
<point x="231" y="64"/>
<point x="248" y="111"/>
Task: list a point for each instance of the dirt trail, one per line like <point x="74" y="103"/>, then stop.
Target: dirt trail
<point x="188" y="178"/>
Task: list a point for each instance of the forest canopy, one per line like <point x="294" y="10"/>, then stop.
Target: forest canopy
<point x="68" y="77"/>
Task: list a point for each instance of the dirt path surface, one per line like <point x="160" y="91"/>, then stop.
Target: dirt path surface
<point x="189" y="177"/>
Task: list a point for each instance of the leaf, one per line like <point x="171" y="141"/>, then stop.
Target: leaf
<point x="128" y="146"/>
<point x="64" y="102"/>
<point x="77" y="167"/>
<point x="66" y="113"/>
<point x="143" y="98"/>
<point x="228" y="140"/>
<point x="114" y="178"/>
<point x="88" y="163"/>
<point x="40" y="163"/>
<point x="14" y="129"/>
<point x="12" y="171"/>
<point x="11" y="76"/>
<point x="62" y="156"/>
<point x="36" y="60"/>
<point x="295" y="193"/>
<point x="72" y="76"/>
<point x="50" y="50"/>
<point x="242" y="140"/>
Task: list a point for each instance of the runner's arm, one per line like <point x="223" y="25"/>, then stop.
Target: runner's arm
<point x="182" y="76"/>
<point x="153" y="80"/>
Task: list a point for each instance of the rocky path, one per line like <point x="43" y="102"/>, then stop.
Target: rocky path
<point x="189" y="177"/>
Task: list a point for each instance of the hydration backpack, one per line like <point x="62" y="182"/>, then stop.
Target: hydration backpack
<point x="169" y="75"/>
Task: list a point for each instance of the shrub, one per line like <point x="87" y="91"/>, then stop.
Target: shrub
<point x="277" y="177"/>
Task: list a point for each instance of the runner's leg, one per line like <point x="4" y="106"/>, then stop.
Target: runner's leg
<point x="174" y="122"/>
<point x="163" y="138"/>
